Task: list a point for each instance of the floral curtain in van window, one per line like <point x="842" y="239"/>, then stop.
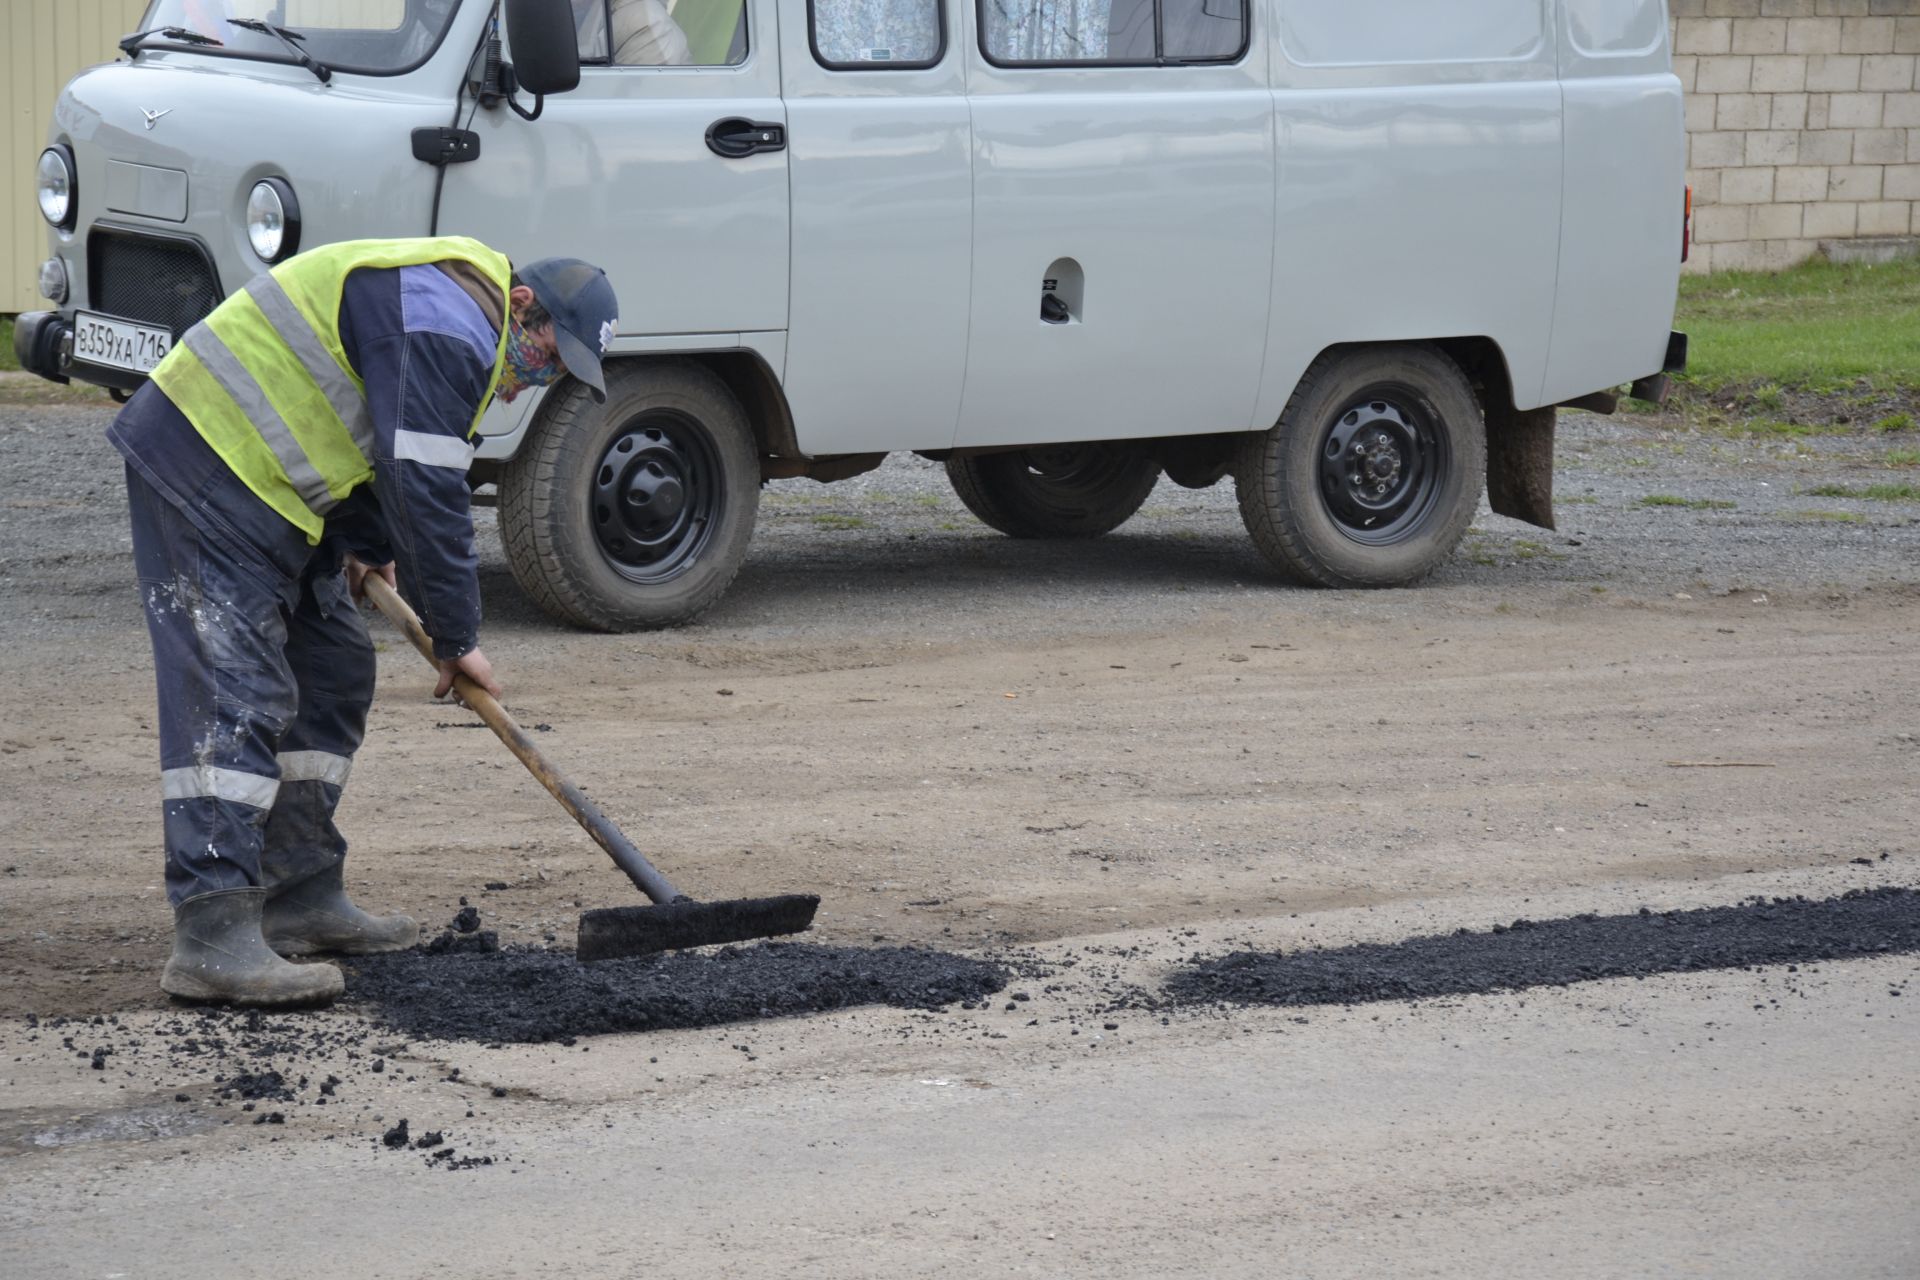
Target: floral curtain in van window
<point x="876" y="30"/>
<point x="1047" y="30"/>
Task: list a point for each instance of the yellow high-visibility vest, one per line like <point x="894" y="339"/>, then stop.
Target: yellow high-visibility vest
<point x="265" y="381"/>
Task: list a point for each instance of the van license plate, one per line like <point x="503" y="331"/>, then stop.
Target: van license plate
<point x="118" y="344"/>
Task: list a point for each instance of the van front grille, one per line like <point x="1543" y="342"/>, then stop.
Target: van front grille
<point x="150" y="279"/>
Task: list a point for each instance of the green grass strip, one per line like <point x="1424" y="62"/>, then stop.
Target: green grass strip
<point x="1821" y="326"/>
<point x="1871" y="492"/>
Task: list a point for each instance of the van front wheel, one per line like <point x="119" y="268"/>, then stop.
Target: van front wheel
<point x="634" y="514"/>
<point x="1373" y="473"/>
<point x="1061" y="491"/>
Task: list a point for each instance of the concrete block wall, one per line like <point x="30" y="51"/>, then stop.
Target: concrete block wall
<point x="1803" y="125"/>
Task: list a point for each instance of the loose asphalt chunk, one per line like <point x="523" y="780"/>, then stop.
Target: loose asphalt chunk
<point x="530" y="995"/>
<point x="1534" y="953"/>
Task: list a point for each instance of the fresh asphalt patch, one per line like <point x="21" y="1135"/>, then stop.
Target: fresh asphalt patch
<point x="520" y="995"/>
<point x="1557" y="953"/>
<point x="270" y="1074"/>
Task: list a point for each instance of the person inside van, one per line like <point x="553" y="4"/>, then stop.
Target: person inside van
<point x="645" y="35"/>
<point x="642" y="33"/>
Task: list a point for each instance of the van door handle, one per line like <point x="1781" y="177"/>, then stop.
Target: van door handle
<point x="736" y="136"/>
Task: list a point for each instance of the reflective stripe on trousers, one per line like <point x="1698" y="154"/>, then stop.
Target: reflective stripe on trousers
<point x="315" y="766"/>
<point x="263" y="696"/>
<point x="205" y="781"/>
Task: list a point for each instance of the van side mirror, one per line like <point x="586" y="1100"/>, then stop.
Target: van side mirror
<point x="546" y="49"/>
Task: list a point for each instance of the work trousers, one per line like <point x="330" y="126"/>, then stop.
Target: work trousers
<point x="264" y="681"/>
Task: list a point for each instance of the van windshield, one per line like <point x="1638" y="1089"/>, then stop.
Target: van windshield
<point x="371" y="37"/>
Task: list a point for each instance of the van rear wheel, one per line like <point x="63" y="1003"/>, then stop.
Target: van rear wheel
<point x="1063" y="491"/>
<point x="1373" y="472"/>
<point x="635" y="514"/>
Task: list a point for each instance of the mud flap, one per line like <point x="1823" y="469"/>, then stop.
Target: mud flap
<point x="1520" y="463"/>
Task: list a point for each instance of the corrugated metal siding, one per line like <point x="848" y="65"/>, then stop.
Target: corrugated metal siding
<point x="43" y="43"/>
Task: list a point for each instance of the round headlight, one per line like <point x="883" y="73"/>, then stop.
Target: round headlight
<point x="53" y="181"/>
<point x="273" y="220"/>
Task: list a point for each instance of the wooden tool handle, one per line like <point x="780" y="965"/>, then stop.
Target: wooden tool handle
<point x="572" y="799"/>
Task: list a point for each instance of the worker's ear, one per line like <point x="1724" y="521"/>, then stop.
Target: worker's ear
<point x="519" y="298"/>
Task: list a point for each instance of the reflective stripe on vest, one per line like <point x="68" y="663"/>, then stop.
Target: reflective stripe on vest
<point x="252" y="399"/>
<point x="349" y="404"/>
<point x="266" y="382"/>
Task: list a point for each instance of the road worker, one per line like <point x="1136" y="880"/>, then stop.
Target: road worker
<point x="317" y="426"/>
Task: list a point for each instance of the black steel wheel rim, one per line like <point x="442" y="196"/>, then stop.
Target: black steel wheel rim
<point x="1384" y="461"/>
<point x="656" y="496"/>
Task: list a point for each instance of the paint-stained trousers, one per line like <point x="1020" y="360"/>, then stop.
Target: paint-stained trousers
<point x="264" y="687"/>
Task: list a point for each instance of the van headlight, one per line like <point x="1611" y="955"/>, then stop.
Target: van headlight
<point x="273" y="220"/>
<point x="54" y="183"/>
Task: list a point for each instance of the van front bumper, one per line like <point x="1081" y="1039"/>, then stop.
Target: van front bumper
<point x="43" y="343"/>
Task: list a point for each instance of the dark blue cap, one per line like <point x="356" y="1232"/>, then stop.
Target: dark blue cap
<point x="585" y="314"/>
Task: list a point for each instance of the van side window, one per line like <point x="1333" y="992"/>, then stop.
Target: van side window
<point x="661" y="33"/>
<point x="877" y="34"/>
<point x="1202" y="30"/>
<point x="1113" y="32"/>
<point x="1602" y="27"/>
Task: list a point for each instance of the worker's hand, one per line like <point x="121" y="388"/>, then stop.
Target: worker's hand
<point x="474" y="666"/>
<point x="357" y="577"/>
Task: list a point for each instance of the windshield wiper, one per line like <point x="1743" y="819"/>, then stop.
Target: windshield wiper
<point x="286" y="38"/>
<point x="181" y="34"/>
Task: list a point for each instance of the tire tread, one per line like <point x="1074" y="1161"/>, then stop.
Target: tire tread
<point x="1263" y="475"/>
<point x="532" y="491"/>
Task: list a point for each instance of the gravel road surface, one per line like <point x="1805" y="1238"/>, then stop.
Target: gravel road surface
<point x="1091" y="766"/>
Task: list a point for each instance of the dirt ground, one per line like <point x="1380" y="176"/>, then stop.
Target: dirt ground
<point x="1101" y="758"/>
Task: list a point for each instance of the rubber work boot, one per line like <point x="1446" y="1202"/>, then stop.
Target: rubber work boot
<point x="220" y="954"/>
<point x="315" y="915"/>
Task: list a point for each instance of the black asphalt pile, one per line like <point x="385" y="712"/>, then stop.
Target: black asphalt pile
<point x="522" y="995"/>
<point x="483" y="940"/>
<point x="463" y="933"/>
<point x="1536" y="953"/>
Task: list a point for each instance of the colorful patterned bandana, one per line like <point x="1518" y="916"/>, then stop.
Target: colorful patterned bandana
<point x="527" y="364"/>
